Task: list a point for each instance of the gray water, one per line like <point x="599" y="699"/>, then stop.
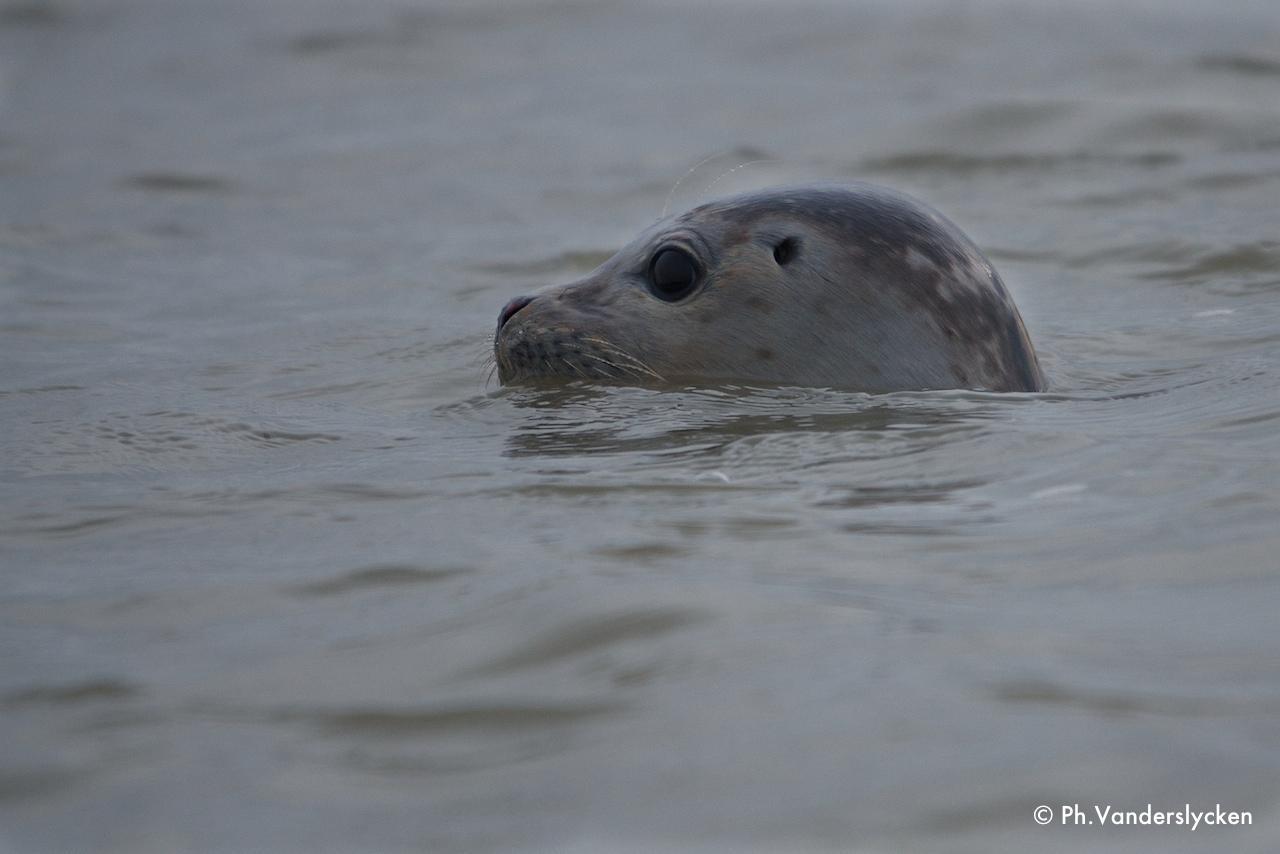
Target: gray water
<point x="282" y="572"/>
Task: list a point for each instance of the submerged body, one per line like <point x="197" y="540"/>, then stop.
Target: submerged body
<point x="848" y="286"/>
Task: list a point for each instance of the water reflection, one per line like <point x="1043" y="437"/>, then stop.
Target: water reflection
<point x="580" y="418"/>
<point x="273" y="549"/>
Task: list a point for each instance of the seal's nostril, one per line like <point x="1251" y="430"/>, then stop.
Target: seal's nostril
<point x="509" y="310"/>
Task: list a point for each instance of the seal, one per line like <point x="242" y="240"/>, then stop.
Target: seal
<point x="847" y="286"/>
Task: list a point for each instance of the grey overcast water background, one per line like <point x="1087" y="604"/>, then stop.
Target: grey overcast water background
<point x="281" y="573"/>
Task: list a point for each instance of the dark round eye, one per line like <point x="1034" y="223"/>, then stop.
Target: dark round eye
<point x="673" y="275"/>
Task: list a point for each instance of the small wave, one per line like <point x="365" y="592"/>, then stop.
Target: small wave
<point x="18" y="784"/>
<point x="404" y="30"/>
<point x="274" y="438"/>
<point x="177" y="182"/>
<point x="31" y="13"/>
<point x="592" y="635"/>
<point x="402" y="722"/>
<point x="1246" y="259"/>
<point x="73" y="527"/>
<point x="1105" y="701"/>
<point x="157" y="438"/>
<point x="374" y="578"/>
<point x="642" y="552"/>
<point x="1246" y="64"/>
<point x="73" y="693"/>
<point x="861" y="497"/>
<point x="1183" y="262"/>
<point x="445" y="738"/>
<point x="48" y="389"/>
<point x="968" y="164"/>
<point x="326" y="390"/>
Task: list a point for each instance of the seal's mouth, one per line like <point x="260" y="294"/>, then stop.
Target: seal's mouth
<point x="523" y="353"/>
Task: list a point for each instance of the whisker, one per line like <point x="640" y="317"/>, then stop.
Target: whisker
<point x="624" y="369"/>
<point x="550" y="366"/>
<point x="724" y="175"/>
<point x="635" y="364"/>
<point x="613" y="350"/>
<point x="489" y="364"/>
<point x="666" y="205"/>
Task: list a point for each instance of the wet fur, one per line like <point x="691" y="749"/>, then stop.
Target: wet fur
<point x="883" y="294"/>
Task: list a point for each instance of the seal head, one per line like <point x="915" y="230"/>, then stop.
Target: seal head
<point x="848" y="286"/>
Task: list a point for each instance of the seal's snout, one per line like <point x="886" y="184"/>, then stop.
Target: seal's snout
<point x="511" y="309"/>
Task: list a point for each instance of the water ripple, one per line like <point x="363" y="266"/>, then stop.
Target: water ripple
<point x="376" y="578"/>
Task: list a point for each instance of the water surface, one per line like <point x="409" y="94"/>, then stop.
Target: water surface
<point x="282" y="572"/>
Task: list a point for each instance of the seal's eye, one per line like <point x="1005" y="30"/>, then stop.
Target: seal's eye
<point x="673" y="275"/>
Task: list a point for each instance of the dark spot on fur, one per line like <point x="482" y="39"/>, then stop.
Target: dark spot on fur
<point x="1028" y="369"/>
<point x="973" y="316"/>
<point x="883" y="231"/>
<point x="738" y="234"/>
<point x="990" y="364"/>
<point x="758" y="304"/>
<point x="764" y="353"/>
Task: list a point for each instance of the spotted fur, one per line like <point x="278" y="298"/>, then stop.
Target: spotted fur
<point x="877" y="292"/>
